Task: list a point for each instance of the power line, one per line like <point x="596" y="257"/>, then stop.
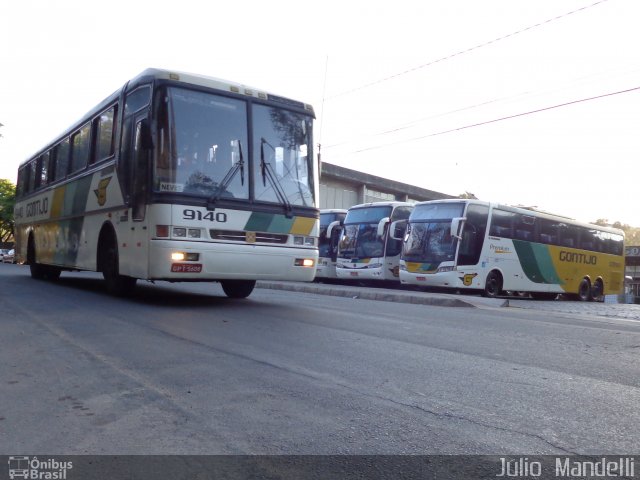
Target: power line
<point x="508" y="117"/>
<point x="413" y="123"/>
<point x="462" y="52"/>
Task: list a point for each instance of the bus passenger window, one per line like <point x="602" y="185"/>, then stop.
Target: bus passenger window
<point x="44" y="169"/>
<point x="61" y="153"/>
<point x="104" y="133"/>
<point x="80" y="148"/>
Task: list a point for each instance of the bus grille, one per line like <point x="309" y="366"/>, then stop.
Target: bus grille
<point x="240" y="236"/>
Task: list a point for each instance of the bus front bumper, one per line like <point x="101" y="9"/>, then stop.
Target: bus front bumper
<point x="220" y="261"/>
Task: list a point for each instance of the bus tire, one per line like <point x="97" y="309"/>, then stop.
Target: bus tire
<point x="238" y="288"/>
<point x="116" y="284"/>
<point x="584" y="291"/>
<point x="597" y="292"/>
<point x="37" y="270"/>
<point x="493" y="284"/>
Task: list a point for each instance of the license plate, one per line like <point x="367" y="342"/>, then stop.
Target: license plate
<point x="354" y="274"/>
<point x="186" y="267"/>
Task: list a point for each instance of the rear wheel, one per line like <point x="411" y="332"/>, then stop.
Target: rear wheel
<point x="37" y="270"/>
<point x="584" y="290"/>
<point x="238" y="288"/>
<point x="493" y="285"/>
<point x="116" y="284"/>
<point x="597" y="291"/>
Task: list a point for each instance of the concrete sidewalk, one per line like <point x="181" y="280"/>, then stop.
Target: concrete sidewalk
<point x="388" y="294"/>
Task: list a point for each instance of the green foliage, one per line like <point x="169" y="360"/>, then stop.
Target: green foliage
<point x="7" y="202"/>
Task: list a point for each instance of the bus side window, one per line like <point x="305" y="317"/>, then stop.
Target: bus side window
<point x="80" y="147"/>
<point x="104" y="127"/>
<point x="501" y="221"/>
<point x="61" y="152"/>
<point x="31" y="177"/>
<point x="473" y="234"/>
<point x="44" y="169"/>
<point x="548" y="231"/>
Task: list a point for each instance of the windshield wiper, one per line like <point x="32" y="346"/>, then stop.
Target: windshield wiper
<point x="222" y="187"/>
<point x="268" y="173"/>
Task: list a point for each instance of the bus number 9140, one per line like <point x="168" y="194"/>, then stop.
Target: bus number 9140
<point x="189" y="214"/>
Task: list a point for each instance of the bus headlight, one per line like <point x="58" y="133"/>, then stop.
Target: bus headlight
<point x="182" y="256"/>
<point x="179" y="232"/>
<point x="194" y="233"/>
<point x="304" y="262"/>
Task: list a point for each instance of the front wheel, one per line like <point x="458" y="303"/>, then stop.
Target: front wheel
<point x="493" y="285"/>
<point x="116" y="284"/>
<point x="238" y="288"/>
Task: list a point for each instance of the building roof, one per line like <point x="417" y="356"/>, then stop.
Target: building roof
<point x="390" y="186"/>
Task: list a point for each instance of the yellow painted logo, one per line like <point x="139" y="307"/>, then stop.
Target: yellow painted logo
<point x="468" y="279"/>
<point x="101" y="191"/>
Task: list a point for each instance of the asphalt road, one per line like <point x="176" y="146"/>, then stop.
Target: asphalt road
<point x="181" y="369"/>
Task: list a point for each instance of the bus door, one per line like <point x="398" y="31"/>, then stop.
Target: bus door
<point x="136" y="159"/>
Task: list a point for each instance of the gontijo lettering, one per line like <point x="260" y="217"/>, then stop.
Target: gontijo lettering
<point x="37" y="207"/>
<point x="578" y="258"/>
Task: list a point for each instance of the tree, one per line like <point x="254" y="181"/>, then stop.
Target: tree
<point x="468" y="195"/>
<point x="7" y="202"/>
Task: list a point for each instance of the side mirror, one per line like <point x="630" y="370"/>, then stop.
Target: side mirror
<point x="397" y="229"/>
<point x="332" y="225"/>
<point x="456" y="224"/>
<point x="381" y="224"/>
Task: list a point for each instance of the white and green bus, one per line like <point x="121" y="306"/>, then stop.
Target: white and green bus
<point x="471" y="244"/>
<point x="175" y="177"/>
<point x="367" y="249"/>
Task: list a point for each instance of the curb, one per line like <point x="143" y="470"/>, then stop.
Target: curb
<point x="386" y="295"/>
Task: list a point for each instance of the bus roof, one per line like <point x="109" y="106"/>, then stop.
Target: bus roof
<point x="383" y="204"/>
<point x="151" y="74"/>
<point x="333" y="210"/>
<point x="526" y="211"/>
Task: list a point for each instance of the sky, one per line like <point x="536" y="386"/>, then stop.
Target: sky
<point x="522" y="102"/>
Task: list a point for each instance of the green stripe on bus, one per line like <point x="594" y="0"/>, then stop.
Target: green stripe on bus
<point x="269" y="222"/>
<point x="258" y="222"/>
<point x="528" y="261"/>
<point x="536" y="262"/>
<point x="281" y="224"/>
<point x="545" y="263"/>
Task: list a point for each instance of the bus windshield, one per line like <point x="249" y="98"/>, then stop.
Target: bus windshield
<point x="429" y="237"/>
<point x="204" y="149"/>
<point x="360" y="237"/>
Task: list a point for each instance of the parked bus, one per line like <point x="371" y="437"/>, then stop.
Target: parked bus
<point x="175" y="177"/>
<point x="331" y="221"/>
<point x="366" y="250"/>
<point x="490" y="247"/>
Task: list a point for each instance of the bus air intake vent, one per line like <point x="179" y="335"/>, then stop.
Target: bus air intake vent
<point x="240" y="236"/>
